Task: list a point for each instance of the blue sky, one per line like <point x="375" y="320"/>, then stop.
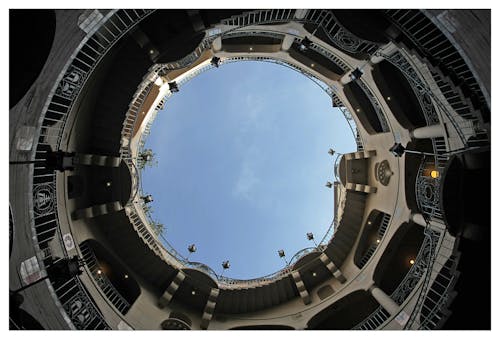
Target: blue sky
<point x="242" y="166"/>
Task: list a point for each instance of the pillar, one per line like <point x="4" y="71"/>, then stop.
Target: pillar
<point x="419" y="219"/>
<point x="304" y="293"/>
<point x="208" y="312"/>
<point x="171" y="289"/>
<point x="96" y="160"/>
<point x="287" y="42"/>
<point x="384" y="300"/>
<point x="432" y="131"/>
<point x="96" y="210"/>
<point x="388" y="50"/>
<point x="301" y="13"/>
<point x="217" y="44"/>
<point x="332" y="268"/>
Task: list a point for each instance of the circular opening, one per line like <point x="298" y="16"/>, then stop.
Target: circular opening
<point x="242" y="158"/>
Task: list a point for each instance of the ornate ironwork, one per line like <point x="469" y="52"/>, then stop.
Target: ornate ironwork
<point x="422" y="263"/>
<point x="427" y="191"/>
<point x="375" y="104"/>
<point x="102" y="280"/>
<point x="80" y="308"/>
<point x="44" y="199"/>
<point x="374" y="320"/>
<point x="339" y="35"/>
<point x="417" y="85"/>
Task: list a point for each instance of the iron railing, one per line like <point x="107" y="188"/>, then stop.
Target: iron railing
<point x="98" y="274"/>
<point x="338" y="34"/>
<point x="74" y="298"/>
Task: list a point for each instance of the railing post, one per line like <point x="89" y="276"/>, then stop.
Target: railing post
<point x="384" y="300"/>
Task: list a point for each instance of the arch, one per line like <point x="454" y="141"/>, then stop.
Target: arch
<point x="110" y="274"/>
<point x="371" y="234"/>
<point x="395" y="263"/>
<point x="366" y="24"/>
<point x="345" y="313"/>
<point x="399" y="95"/>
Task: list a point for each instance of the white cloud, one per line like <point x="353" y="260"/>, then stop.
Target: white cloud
<point x="246" y="182"/>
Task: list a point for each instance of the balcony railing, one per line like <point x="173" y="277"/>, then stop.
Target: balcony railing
<point x="78" y="305"/>
<point x="98" y="274"/>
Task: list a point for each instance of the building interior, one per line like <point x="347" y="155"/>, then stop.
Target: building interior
<point x="408" y="249"/>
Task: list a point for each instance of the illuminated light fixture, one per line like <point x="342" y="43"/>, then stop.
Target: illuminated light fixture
<point x="397" y="150"/>
<point x="172" y="86"/>
<point x="126" y="276"/>
<point x="251" y="48"/>
<point x="151" y="51"/>
<point x="412" y="261"/>
<point x="331" y="151"/>
<point x="147" y="198"/>
<point x="305" y="44"/>
<point x="434" y="174"/>
<point x="313" y="274"/>
<point x="329" y="184"/>
<point x="378" y="241"/>
<point x="389" y="98"/>
<point x="193" y="292"/>
<point x="108" y="183"/>
<point x="358" y="110"/>
<point x="99" y="272"/>
<point x="215" y="61"/>
<point x="369" y="222"/>
<point x="312" y="65"/>
<point x="356" y="74"/>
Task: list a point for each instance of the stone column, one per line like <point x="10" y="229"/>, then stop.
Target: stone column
<point x="384" y="300"/>
<point x="171" y="289"/>
<point x="332" y="268"/>
<point x="301" y="13"/>
<point x="304" y="293"/>
<point x="419" y="219"/>
<point x="287" y="42"/>
<point x="96" y="210"/>
<point x="433" y="131"/>
<point x="208" y="312"/>
<point x="388" y="50"/>
<point x="217" y="44"/>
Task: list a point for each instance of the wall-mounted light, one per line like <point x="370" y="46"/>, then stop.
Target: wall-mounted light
<point x="434" y="174"/>
<point x="388" y="98"/>
<point x="378" y="241"/>
<point x="358" y="110"/>
<point x="126" y="276"/>
<point x="329" y="184"/>
<point x="312" y="65"/>
<point x="99" y="272"/>
<point x="412" y="261"/>
<point x="193" y="292"/>
<point x="251" y="48"/>
<point x="108" y="183"/>
<point x="305" y="44"/>
<point x="313" y="274"/>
